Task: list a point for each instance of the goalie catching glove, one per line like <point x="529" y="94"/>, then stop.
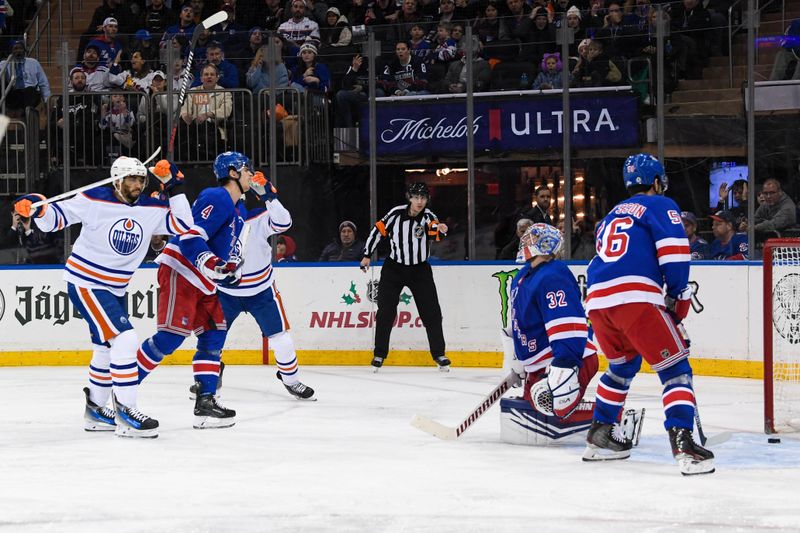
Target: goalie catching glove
<point x="679" y="307"/>
<point x="168" y="174"/>
<point x="262" y="187"/>
<point x="214" y="268"/>
<point x="23" y="206"/>
<point x="565" y="388"/>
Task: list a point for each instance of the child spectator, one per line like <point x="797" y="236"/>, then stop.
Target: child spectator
<point x="550" y="76"/>
<point x="420" y="46"/>
<point x="285" y="248"/>
<point x="119" y="121"/>
<point x="444" y="47"/>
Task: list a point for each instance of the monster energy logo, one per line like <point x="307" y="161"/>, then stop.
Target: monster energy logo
<point x="505" y="292"/>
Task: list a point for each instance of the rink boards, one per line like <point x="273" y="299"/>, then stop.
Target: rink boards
<point x="331" y="313"/>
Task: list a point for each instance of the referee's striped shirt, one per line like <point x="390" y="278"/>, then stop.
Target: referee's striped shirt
<point x="409" y="238"/>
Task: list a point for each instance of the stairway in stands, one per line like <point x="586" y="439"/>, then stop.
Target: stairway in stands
<point x="714" y="95"/>
<point x="76" y="19"/>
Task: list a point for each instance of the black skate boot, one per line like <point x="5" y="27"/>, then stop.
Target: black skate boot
<point x="133" y="423"/>
<point x="692" y="458"/>
<point x="194" y="389"/>
<point x="209" y="413"/>
<point x="443" y="362"/>
<point x="97" y="418"/>
<point x="298" y="390"/>
<point x="605" y="442"/>
<point x="377" y="362"/>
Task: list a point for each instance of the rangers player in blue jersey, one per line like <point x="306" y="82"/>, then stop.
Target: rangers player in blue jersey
<point x="638" y="294"/>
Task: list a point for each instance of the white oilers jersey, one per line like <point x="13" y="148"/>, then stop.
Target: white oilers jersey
<point x="257" y="268"/>
<point x="115" y="236"/>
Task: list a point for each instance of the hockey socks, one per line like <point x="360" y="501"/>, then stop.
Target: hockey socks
<point x="153" y="350"/>
<point x="678" y="396"/>
<point x="100" y="375"/>
<point x="612" y="390"/>
<point x="124" y="368"/>
<point x="206" y="367"/>
<point x="285" y="357"/>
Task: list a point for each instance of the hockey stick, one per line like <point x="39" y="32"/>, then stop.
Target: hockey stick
<point x="105" y="181"/>
<point x="4" y="122"/>
<point x="452" y="433"/>
<point x="213" y="20"/>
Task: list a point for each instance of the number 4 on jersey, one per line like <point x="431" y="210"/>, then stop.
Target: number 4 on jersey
<point x="613" y="243"/>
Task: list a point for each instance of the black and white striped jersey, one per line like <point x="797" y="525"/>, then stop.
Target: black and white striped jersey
<point x="409" y="238"/>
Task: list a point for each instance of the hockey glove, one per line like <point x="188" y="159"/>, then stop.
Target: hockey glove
<point x="509" y="355"/>
<point x="233" y="279"/>
<point x="565" y="387"/>
<point x="679" y="307"/>
<point x="23" y="206"/>
<point x="262" y="187"/>
<point x="215" y="268"/>
<point x="169" y="175"/>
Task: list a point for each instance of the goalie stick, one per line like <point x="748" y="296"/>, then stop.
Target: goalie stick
<point x="443" y="432"/>
<point x="213" y="20"/>
<point x="105" y="181"/>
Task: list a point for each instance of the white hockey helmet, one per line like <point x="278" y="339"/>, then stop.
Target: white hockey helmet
<point x="125" y="166"/>
<point x="539" y="239"/>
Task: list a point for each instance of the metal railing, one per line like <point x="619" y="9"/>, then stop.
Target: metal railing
<point x="13" y="162"/>
<point x="41" y="24"/>
<point x="743" y="25"/>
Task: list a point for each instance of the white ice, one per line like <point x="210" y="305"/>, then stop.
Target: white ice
<point x="352" y="462"/>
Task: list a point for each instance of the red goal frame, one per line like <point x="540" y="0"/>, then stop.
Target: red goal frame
<point x="769" y="405"/>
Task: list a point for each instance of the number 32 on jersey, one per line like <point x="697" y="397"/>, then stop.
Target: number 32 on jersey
<point x="613" y="241"/>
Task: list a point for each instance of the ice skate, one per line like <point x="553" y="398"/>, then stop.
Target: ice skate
<point x="193" y="389"/>
<point x="132" y="423"/>
<point x="692" y="458"/>
<point x="443" y="362"/>
<point x="97" y="418"/>
<point x="377" y="363"/>
<point x="605" y="442"/>
<point x="298" y="390"/>
<point x="209" y="413"/>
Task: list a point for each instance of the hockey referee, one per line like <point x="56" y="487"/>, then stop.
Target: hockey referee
<point x="410" y="228"/>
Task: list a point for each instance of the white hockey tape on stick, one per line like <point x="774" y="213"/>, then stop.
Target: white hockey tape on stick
<point x="4" y="122"/>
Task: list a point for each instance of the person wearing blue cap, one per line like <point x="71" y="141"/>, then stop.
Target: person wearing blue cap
<point x="144" y="43"/>
<point x="26" y="76"/>
<point x="698" y="247"/>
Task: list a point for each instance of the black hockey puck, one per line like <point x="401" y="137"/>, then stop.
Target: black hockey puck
<point x="774" y="440"/>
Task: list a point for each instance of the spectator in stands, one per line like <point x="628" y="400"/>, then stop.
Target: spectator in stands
<point x="178" y="46"/>
<point x="299" y="29"/>
<point x="269" y="15"/>
<point x="407" y="17"/>
<point x="466" y="11"/>
<point x="244" y="57"/>
<point x="739" y="211"/>
<point x="509" y="251"/>
<point x="309" y="74"/>
<point x="98" y="77"/>
<point x="575" y="23"/>
<point x="357" y="13"/>
<point x="727" y="245"/>
<point x="316" y="10"/>
<point x="119" y="10"/>
<point x="346" y="246"/>
<point x="231" y="34"/>
<point x="698" y="247"/>
<point x="204" y="112"/>
<point x="419" y="43"/>
<point x="153" y="110"/>
<point x="336" y="30"/>
<point x="199" y="11"/>
<point x="539" y="211"/>
<point x="139" y="77"/>
<point x="647" y="48"/>
<point x="583" y="243"/>
<point x="108" y="44"/>
<point x="143" y="43"/>
<point x="184" y="27"/>
<point x="30" y="85"/>
<point x="618" y="39"/>
<point x="541" y="38"/>
<point x="120" y="121"/>
<point x="405" y="75"/>
<point x="459" y="36"/>
<point x="258" y="73"/>
<point x="178" y="66"/>
<point x="594" y="68"/>
<point x="519" y="20"/>
<point x="550" y="75"/>
<point x="788" y="55"/>
<point x="444" y="46"/>
<point x="560" y="8"/>
<point x="285" y="248"/>
<point x="201" y="46"/>
<point x="84" y="111"/>
<point x="639" y="17"/>
<point x="42" y="247"/>
<point x="595" y="18"/>
<point x="6" y="14"/>
<point x="456" y="79"/>
<point x="490" y="28"/>
<point x="778" y="211"/>
<point x="447" y="11"/>
<point x="229" y="76"/>
<point x="690" y="30"/>
<point x="354" y="91"/>
<point x="158" y="17"/>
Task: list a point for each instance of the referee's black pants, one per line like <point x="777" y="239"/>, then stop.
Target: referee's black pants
<point x="419" y="279"/>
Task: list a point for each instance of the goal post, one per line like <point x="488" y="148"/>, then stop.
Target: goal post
<point x="781" y="335"/>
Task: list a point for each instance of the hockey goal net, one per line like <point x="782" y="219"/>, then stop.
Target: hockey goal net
<point x="782" y="335"/>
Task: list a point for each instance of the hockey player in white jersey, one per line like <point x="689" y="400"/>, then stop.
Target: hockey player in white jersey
<point x="117" y="226"/>
<point x="256" y="292"/>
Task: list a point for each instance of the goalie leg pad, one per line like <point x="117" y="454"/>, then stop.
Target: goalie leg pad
<point x="522" y="424"/>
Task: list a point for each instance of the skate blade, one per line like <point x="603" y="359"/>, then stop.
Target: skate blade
<point x="97" y="427"/>
<point x="690" y="467"/>
<point x="209" y="422"/>
<point x="310" y="399"/>
<point x="595" y="453"/>
<point x="444" y="368"/>
<point x="131" y="433"/>
<point x="375" y="369"/>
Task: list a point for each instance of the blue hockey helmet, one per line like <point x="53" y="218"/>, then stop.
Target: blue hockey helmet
<point x="643" y="169"/>
<point x="539" y="239"/>
<point x="227" y="161"/>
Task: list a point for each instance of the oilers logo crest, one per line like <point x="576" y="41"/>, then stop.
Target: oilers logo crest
<point x="125" y="236"/>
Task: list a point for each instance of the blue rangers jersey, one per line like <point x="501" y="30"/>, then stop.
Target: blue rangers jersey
<point x="734" y="250"/>
<point x="257" y="267"/>
<point x="641" y="246"/>
<point x="547" y="317"/>
<point x="115" y="235"/>
<point x="217" y="225"/>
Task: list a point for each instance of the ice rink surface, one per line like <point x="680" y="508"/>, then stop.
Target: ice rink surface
<point x="352" y="462"/>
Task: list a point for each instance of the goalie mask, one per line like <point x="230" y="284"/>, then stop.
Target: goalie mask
<point x="539" y="239"/>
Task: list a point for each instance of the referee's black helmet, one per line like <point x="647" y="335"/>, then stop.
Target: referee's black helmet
<point x="418" y="188"/>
